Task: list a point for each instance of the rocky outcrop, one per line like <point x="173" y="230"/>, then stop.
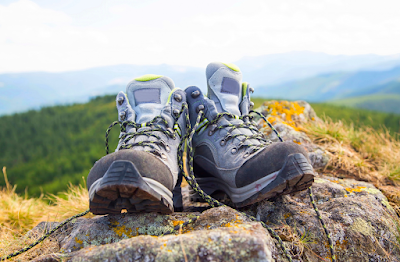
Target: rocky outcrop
<point x="288" y="118"/>
<point x="362" y="224"/>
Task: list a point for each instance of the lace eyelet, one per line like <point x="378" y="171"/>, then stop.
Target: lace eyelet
<point x="176" y="112"/>
<point x="168" y="149"/>
<point x="246" y="155"/>
<point x="234" y="150"/>
<point x="120" y="100"/>
<point x="178" y="97"/>
<point x="195" y="93"/>
<point x="122" y="115"/>
<point x="163" y="156"/>
<point x="199" y="108"/>
<point x="222" y="143"/>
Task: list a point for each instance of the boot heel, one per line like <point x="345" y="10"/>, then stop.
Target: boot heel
<point x="122" y="187"/>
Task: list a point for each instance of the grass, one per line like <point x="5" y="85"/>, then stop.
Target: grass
<point x="351" y="116"/>
<point x="361" y="152"/>
<point x="382" y="102"/>
<point x="19" y="214"/>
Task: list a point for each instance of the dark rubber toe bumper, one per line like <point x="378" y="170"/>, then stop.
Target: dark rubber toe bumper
<point x="270" y="160"/>
<point x="122" y="187"/>
<point x="147" y="164"/>
<point x="296" y="175"/>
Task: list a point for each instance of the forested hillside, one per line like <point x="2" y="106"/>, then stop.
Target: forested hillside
<point x="45" y="150"/>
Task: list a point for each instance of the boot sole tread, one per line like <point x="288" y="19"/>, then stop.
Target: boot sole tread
<point x="122" y="187"/>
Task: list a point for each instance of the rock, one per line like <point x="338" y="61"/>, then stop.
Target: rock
<point x="41" y="228"/>
<point x="288" y="119"/>
<point x="102" y="230"/>
<point x="362" y="224"/>
<point x="219" y="234"/>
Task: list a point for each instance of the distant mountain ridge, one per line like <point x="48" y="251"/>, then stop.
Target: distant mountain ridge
<point x="374" y="90"/>
<point x="295" y="75"/>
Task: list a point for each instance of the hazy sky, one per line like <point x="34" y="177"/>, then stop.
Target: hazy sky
<point x="49" y="35"/>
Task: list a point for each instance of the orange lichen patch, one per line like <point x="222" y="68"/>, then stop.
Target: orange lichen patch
<point x="297" y="142"/>
<point x="341" y="244"/>
<point x="285" y="112"/>
<point x="237" y="219"/>
<point x="356" y="189"/>
<point x="333" y="181"/>
<point x="122" y="230"/>
<point x="79" y="241"/>
<point x="114" y="223"/>
<point x="177" y="222"/>
<point x="287" y="215"/>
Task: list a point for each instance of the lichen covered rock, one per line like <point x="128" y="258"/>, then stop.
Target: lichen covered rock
<point x="288" y="119"/>
<point x="362" y="224"/>
<point x="219" y="234"/>
<point x="102" y="230"/>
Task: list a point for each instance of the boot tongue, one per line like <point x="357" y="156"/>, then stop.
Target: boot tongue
<point x="148" y="95"/>
<point x="224" y="87"/>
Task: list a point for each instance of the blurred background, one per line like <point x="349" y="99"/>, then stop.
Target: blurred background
<point x="62" y="62"/>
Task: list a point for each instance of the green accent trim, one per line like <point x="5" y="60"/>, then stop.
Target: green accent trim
<point x="170" y="94"/>
<point x="202" y="124"/>
<point x="177" y="128"/>
<point x="148" y="77"/>
<point x="232" y="66"/>
<point x="127" y="99"/>
<point x="245" y="85"/>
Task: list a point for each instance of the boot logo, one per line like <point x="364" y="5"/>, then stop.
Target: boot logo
<point x="147" y="95"/>
<point x="230" y="86"/>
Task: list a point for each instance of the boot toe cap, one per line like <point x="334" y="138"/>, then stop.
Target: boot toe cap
<point x="269" y="160"/>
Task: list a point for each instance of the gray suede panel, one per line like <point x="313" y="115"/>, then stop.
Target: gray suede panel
<point x="147" y="164"/>
<point x="271" y="159"/>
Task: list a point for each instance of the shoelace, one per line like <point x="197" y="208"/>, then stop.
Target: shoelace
<point x="153" y="126"/>
<point x="247" y="124"/>
<point x="190" y="178"/>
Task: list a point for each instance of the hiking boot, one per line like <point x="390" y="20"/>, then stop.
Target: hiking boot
<point x="231" y="155"/>
<point x="142" y="172"/>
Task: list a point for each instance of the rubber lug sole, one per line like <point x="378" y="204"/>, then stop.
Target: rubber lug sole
<point x="296" y="175"/>
<point x="122" y="187"/>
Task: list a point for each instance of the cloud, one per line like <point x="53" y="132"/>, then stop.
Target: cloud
<point x="34" y="37"/>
